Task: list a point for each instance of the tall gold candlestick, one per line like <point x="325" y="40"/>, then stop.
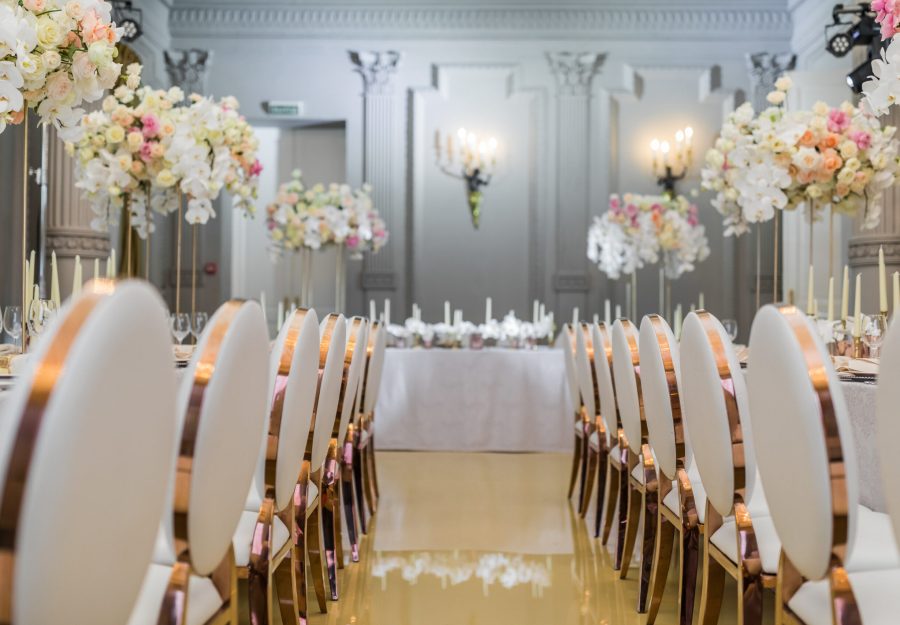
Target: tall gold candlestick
<point x="193" y="269"/>
<point x="178" y="259"/>
<point x="25" y="232"/>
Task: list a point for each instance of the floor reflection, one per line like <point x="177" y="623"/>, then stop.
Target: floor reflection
<point x="424" y="561"/>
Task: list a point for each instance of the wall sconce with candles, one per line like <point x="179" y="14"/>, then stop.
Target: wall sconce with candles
<point x="472" y="161"/>
<point x="670" y="164"/>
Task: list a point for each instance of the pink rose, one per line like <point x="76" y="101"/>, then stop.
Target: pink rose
<point x="59" y="87"/>
<point x="93" y="28"/>
<point x="146" y="152"/>
<point x="36" y="6"/>
<point x="838" y="120"/>
<point x="82" y="66"/>
<point x="256" y="168"/>
<point x="862" y="139"/>
<point x="352" y="241"/>
<point x="151" y="125"/>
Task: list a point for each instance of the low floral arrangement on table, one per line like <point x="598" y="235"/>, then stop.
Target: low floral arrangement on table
<point x="146" y="145"/>
<point x="829" y="157"/>
<point x="638" y="229"/>
<point x="54" y="56"/>
<point x="313" y="217"/>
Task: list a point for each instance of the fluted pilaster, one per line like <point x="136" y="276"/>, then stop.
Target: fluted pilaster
<point x="574" y="74"/>
<point x="380" y="165"/>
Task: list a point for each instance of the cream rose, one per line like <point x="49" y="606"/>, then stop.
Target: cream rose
<point x="74" y="9"/>
<point x="165" y="178"/>
<point x="115" y="134"/>
<point x="51" y="59"/>
<point x="48" y="32"/>
<point x="60" y="88"/>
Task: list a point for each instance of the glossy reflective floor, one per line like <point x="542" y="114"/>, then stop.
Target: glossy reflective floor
<point x="477" y="539"/>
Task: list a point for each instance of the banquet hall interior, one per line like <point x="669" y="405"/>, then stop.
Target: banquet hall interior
<point x="407" y="312"/>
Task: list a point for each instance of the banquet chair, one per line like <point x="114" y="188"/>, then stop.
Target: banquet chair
<point x="594" y="430"/>
<point x="263" y="547"/>
<point x="682" y="497"/>
<point x="642" y="483"/>
<point x="566" y="342"/>
<point x="90" y="421"/>
<point x="364" y="452"/>
<point x="739" y="537"/>
<point x="345" y="457"/>
<point x="354" y="361"/>
<point x="617" y="493"/>
<point x="220" y="406"/>
<point x="308" y="495"/>
<point x="839" y="561"/>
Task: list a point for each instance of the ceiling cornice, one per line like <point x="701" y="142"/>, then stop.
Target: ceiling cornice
<point x="654" y="23"/>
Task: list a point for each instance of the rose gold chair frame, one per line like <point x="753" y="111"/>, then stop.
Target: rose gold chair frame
<point x="268" y="565"/>
<point x="579" y="456"/>
<point x="362" y="459"/>
<point x="175" y="601"/>
<point x="46" y="374"/>
<point x="330" y="478"/>
<point x="307" y="530"/>
<point x="642" y="496"/>
<point x="597" y="457"/>
<point x="747" y="572"/>
<point x="844" y="608"/>
<point x="686" y="522"/>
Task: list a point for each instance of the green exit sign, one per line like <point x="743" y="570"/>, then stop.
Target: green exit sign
<point x="284" y="108"/>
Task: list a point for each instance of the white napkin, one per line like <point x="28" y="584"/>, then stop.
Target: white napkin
<point x="8" y="348"/>
<point x="865" y="366"/>
<point x="183" y="352"/>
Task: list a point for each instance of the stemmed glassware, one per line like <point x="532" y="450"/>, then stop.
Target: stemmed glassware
<point x="731" y="328"/>
<point x="12" y="322"/>
<point x="41" y="313"/>
<point x="874" y="329"/>
<point x="198" y="324"/>
<point x="181" y="326"/>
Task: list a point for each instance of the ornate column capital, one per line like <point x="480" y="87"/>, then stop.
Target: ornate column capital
<point x="188" y="69"/>
<point x="574" y="71"/>
<point x="764" y="69"/>
<point x="376" y="69"/>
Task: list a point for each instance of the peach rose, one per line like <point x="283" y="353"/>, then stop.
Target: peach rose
<point x="832" y="160"/>
<point x="830" y="140"/>
<point x="808" y="139"/>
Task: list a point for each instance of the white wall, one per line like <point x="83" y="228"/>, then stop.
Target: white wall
<point x="486" y="67"/>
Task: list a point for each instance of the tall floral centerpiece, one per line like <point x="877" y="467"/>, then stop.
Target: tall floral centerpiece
<point x="305" y="219"/>
<point x="640" y="230"/>
<point x="828" y="159"/>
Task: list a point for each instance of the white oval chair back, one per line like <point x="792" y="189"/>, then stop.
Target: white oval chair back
<point x="626" y="368"/>
<point x="566" y="342"/>
<point x="374" y="367"/>
<point x="584" y="369"/>
<point x="717" y="412"/>
<point x="293" y="373"/>
<point x="799" y="418"/>
<point x="332" y="343"/>
<point x="354" y="363"/>
<point x="222" y="412"/>
<point x="87" y="436"/>
<point x="888" y="407"/>
<point x="660" y="375"/>
<point x="603" y="366"/>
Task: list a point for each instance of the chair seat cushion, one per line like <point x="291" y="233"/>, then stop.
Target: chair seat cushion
<point x="579" y="428"/>
<point x="594" y="440"/>
<point x="725" y="538"/>
<point x="243" y="536"/>
<point x="874" y="546"/>
<point x="638" y="472"/>
<point x="875" y="591"/>
<point x="672" y="499"/>
<point x="203" y="598"/>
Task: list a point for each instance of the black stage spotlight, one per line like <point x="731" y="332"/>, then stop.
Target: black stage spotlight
<point x="853" y="26"/>
<point x="128" y="19"/>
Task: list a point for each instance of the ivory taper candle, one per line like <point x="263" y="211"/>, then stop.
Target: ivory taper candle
<point x="76" y="277"/>
<point x="29" y="288"/>
<point x="373" y="311"/>
<point x="280" y="314"/>
<point x="447" y="313"/>
<point x="54" y="280"/>
<point x="831" y="299"/>
<point x="702" y="301"/>
<point x="810" y="292"/>
<point x="606" y="318"/>
<point x="882" y="283"/>
<point x="575" y="316"/>
<point x="857" y="307"/>
<point x="618" y="311"/>
<point x="488" y="304"/>
<point x="596" y="318"/>
<point x="678" y="322"/>
<point x="535" y="310"/>
<point x="96" y="268"/>
<point x="845" y="295"/>
<point x="387" y="312"/>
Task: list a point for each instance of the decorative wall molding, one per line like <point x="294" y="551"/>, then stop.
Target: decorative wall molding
<point x="69" y="243"/>
<point x="574" y="71"/>
<point x="764" y="68"/>
<point x="376" y="69"/>
<point x="863" y="253"/>
<point x="659" y="22"/>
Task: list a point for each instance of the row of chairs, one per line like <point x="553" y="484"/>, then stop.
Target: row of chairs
<point x="751" y="475"/>
<point x="132" y="496"/>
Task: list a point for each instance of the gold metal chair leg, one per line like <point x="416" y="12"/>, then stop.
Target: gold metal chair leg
<point x="370" y="479"/>
<point x="175" y="601"/>
<point x="327" y="505"/>
<point x="358" y="483"/>
<point x="713" y="585"/>
<point x="347" y="495"/>
<point x="314" y="542"/>
<point x="375" y="489"/>
<point x="665" y="542"/>
<point x="602" y="476"/>
<point x="285" y="580"/>
<point x="612" y="498"/>
<point x="688" y="561"/>
<point x="298" y="552"/>
<point x="590" y="474"/>
<point x="259" y="588"/>
<point x="576" y="465"/>
<point x="635" y="504"/>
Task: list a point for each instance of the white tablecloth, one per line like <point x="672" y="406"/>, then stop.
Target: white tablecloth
<point x="467" y="400"/>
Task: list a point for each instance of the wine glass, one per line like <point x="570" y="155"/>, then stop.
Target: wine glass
<point x="874" y="328"/>
<point x="40" y="314"/>
<point x="181" y="326"/>
<point x="731" y="328"/>
<point x="198" y="323"/>
<point x="12" y="322"/>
